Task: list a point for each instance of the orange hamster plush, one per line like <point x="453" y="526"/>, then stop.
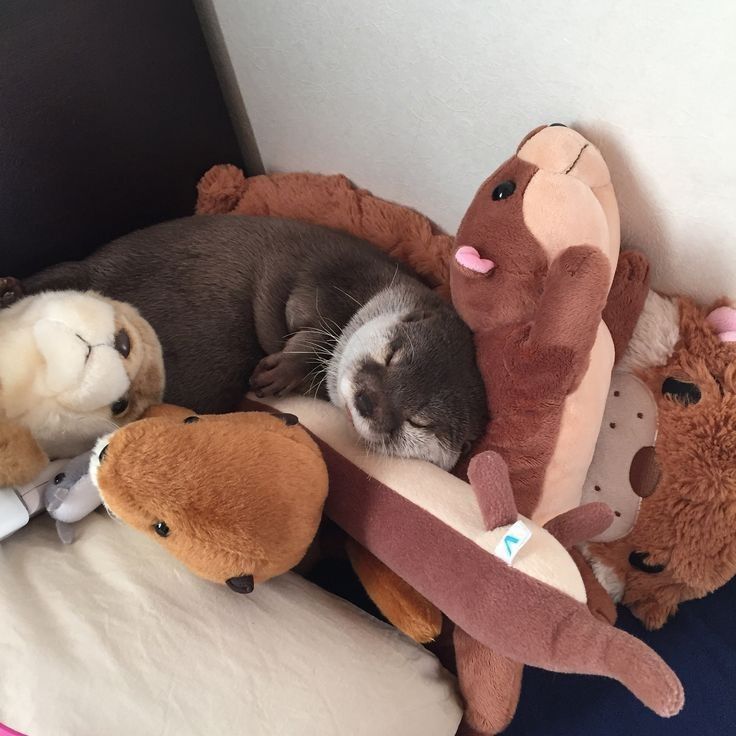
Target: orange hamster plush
<point x="236" y="497"/>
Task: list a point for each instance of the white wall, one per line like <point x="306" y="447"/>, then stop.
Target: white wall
<point x="418" y="100"/>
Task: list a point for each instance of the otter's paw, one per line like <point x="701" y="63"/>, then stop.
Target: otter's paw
<point x="10" y="291"/>
<point x="278" y="374"/>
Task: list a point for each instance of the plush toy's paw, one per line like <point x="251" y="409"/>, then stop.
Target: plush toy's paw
<point x="582" y="262"/>
<point x="632" y="268"/>
<point x="21" y="459"/>
<point x="278" y="374"/>
<point x="404" y="607"/>
<point x="653" y="613"/>
<point x="10" y="291"/>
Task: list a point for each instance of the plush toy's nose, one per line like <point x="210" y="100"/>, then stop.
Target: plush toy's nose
<point x="241" y="584"/>
<point x="288" y="419"/>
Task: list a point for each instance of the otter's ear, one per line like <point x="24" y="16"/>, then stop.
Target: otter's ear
<point x="418" y="315"/>
<point x="169" y="411"/>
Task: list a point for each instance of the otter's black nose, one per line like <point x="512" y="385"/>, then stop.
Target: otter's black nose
<point x="364" y="404"/>
<point x="241" y="584"/>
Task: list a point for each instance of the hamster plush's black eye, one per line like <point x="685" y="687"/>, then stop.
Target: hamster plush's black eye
<point x="119" y="407"/>
<point x="161" y="528"/>
<point x="60" y="477"/>
<point x="503" y="191"/>
<point x="102" y="455"/>
<point x="122" y="343"/>
<point x="681" y="391"/>
<point x="638" y="560"/>
<point x="191" y="420"/>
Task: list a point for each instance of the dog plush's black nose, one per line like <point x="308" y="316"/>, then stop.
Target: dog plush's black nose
<point x="241" y="584"/>
<point x="364" y="404"/>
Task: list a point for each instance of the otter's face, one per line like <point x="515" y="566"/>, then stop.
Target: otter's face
<point x="410" y="385"/>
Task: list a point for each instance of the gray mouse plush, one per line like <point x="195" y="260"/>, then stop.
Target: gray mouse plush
<point x="63" y="489"/>
<point x="70" y="496"/>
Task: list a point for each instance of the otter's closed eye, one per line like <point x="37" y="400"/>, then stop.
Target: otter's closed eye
<point x="683" y="392"/>
<point x="419" y="422"/>
<point x="393" y="349"/>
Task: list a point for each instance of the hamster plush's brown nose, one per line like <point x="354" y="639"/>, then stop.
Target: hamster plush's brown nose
<point x="241" y="584"/>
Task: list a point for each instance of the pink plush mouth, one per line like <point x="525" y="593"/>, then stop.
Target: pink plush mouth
<point x="468" y="257"/>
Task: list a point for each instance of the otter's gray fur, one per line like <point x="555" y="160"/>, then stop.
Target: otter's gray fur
<point x="295" y="306"/>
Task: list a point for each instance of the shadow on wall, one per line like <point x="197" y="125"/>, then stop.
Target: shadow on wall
<point x="647" y="227"/>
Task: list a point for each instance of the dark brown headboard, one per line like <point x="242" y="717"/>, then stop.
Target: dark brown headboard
<point x="109" y="113"/>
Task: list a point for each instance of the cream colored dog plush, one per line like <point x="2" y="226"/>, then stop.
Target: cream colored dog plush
<point x="73" y="366"/>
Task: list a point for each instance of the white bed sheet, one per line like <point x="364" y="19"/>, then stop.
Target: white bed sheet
<point x="111" y="636"/>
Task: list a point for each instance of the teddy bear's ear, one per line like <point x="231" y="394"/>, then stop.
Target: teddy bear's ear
<point x="723" y="321"/>
<point x="169" y="411"/>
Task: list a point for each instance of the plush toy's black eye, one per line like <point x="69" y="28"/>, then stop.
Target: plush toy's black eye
<point x="60" y="477"/>
<point x="119" y="407"/>
<point x="241" y="584"/>
<point x="191" y="420"/>
<point x="122" y="343"/>
<point x="503" y="191"/>
<point x="103" y="454"/>
<point x="161" y="528"/>
<point x="638" y="560"/>
<point x="681" y="391"/>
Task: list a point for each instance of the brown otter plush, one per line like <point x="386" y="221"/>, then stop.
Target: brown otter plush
<point x="236" y="497"/>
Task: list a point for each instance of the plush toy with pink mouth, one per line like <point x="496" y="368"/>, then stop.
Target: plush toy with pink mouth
<point x="535" y="259"/>
<point x="469" y="258"/>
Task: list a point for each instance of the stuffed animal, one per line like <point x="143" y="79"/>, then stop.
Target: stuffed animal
<point x="73" y="366"/>
<point x="64" y="490"/>
<point x="502" y="578"/>
<point x="673" y="429"/>
<point x="489" y="683"/>
<point x="236" y="497"/>
<point x="331" y="201"/>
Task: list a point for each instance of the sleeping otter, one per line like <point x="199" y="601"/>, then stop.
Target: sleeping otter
<point x="295" y="307"/>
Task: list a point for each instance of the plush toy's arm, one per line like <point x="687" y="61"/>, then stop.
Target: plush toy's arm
<point x="489" y="683"/>
<point x="574" y="296"/>
<point x="598" y="600"/>
<point x="21" y="458"/>
<point x="626" y="298"/>
<point x="406" y="609"/>
<point x="580" y="524"/>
